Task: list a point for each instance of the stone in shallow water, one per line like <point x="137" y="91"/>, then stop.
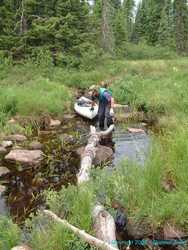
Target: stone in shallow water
<point x="103" y="154"/>
<point x="35" y="145"/>
<point x="22" y="247"/>
<point x="3" y="208"/>
<point x="54" y="123"/>
<point x="4" y="171"/>
<point x="17" y="138"/>
<point x="26" y="157"/>
<point x="136" y="130"/>
<point x="69" y="116"/>
<point x="6" y="144"/>
<point x="2" y="189"/>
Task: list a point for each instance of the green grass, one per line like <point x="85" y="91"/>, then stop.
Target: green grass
<point x="9" y="234"/>
<point x="160" y="86"/>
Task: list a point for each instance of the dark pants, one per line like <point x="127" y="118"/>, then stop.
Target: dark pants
<point x="104" y="112"/>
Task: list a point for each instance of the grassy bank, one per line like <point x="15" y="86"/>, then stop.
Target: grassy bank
<point x="160" y="88"/>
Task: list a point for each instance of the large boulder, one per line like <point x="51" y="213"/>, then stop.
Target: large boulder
<point x="25" y="157"/>
<point x="103" y="154"/>
<point x="16" y="138"/>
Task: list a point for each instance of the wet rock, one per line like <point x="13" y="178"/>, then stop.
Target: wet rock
<point x="12" y="121"/>
<point x="103" y="154"/>
<point x="3" y="208"/>
<point x="17" y="147"/>
<point x="47" y="132"/>
<point x="6" y="144"/>
<point x="16" y="138"/>
<point x="67" y="139"/>
<point x="171" y="232"/>
<point x="136" y="130"/>
<point x="26" y="157"/>
<point x="54" y="123"/>
<point x="2" y="150"/>
<point x="35" y="145"/>
<point x="2" y="189"/>
<point x="69" y="116"/>
<point x="4" y="171"/>
<point x="22" y="247"/>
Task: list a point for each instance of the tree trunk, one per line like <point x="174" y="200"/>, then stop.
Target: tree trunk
<point x="104" y="225"/>
<point x="23" y="21"/>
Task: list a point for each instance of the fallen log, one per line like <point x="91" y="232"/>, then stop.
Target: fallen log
<point x="104" y="225"/>
<point x="90" y="152"/>
<point x="81" y="233"/>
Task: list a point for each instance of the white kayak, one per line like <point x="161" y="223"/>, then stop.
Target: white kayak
<point x="83" y="108"/>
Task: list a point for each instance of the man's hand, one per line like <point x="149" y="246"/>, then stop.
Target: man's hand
<point x="112" y="112"/>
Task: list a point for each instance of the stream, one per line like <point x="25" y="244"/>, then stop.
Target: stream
<point x="60" y="166"/>
<point x="24" y="186"/>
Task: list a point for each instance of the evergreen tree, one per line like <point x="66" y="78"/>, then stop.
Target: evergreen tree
<point x="141" y="21"/>
<point x="148" y="20"/>
<point x="104" y="13"/>
<point x="166" y="29"/>
<point x="120" y="32"/>
<point x="181" y="25"/>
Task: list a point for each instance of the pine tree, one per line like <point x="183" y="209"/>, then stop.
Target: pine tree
<point x="166" y="29"/>
<point x="181" y="25"/>
<point x="148" y="20"/>
<point x="103" y="20"/>
<point x="141" y="21"/>
<point x="120" y="32"/>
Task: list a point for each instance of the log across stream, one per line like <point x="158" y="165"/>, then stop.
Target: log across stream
<point x="60" y="166"/>
<point x="23" y="194"/>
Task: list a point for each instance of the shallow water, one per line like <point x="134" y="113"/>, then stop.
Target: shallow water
<point x="133" y="147"/>
<point x="60" y="166"/>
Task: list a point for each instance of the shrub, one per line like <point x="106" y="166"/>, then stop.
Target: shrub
<point x="10" y="234"/>
<point x="143" y="51"/>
